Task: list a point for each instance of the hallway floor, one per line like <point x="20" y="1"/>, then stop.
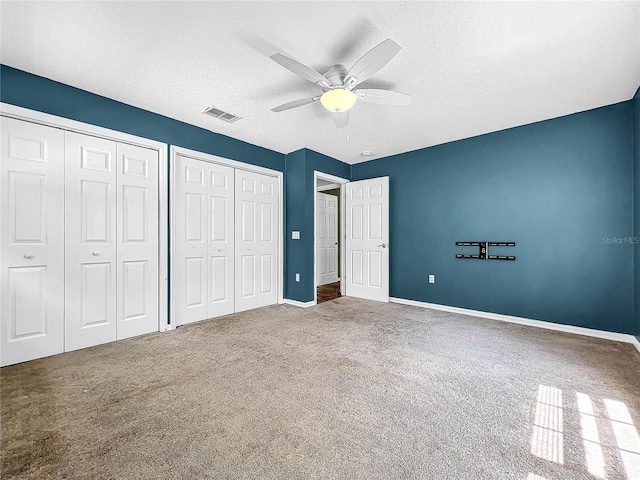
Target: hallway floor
<point x="327" y="292"/>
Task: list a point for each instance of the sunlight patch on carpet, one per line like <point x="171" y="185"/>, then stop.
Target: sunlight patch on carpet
<point x="627" y="438"/>
<point x="547" y="438"/>
<point x="594" y="456"/>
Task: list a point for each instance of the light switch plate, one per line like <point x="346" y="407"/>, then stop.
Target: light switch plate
<point x="432" y="279"/>
<point x="295" y="235"/>
<point x="297" y="277"/>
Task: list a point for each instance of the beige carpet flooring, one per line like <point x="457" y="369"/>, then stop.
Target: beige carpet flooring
<point x="349" y="389"/>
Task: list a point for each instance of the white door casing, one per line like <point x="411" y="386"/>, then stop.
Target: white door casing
<point x="367" y="239"/>
<point x="31" y="241"/>
<point x="257" y="236"/>
<point x="137" y="240"/>
<point x="327" y="238"/>
<point x="90" y="241"/>
<point x="204" y="237"/>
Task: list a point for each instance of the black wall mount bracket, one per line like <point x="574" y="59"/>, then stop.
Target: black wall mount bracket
<point x="483" y="250"/>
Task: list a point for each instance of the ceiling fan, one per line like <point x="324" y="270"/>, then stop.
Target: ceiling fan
<point x="338" y="83"/>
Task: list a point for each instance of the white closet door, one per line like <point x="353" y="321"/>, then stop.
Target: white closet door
<point x="204" y="267"/>
<point x="191" y="240"/>
<point x="327" y="239"/>
<point x="90" y="254"/>
<point x="256" y="240"/>
<point x="367" y="252"/>
<point x="31" y="242"/>
<point x="221" y="240"/>
<point x="137" y="247"/>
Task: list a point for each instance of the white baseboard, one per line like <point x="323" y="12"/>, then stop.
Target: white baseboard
<point x="296" y="303"/>
<point x="589" y="332"/>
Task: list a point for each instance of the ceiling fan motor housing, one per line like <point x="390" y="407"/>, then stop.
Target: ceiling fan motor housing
<point x="336" y="74"/>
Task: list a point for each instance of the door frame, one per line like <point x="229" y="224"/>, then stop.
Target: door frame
<point x="40" y="118"/>
<point x="337" y="182"/>
<point x="206" y="157"/>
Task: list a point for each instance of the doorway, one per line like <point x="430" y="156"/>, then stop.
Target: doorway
<point x="328" y="238"/>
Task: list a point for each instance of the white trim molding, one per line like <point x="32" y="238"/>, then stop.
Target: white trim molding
<point x="62" y="123"/>
<point x="589" y="332"/>
<point x="296" y="303"/>
<point x="331" y="186"/>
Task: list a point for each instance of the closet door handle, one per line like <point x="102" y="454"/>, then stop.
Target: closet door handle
<point x="219" y="249"/>
<point x="95" y="254"/>
<point x="384" y="245"/>
<point x="27" y="256"/>
<point x="248" y="249"/>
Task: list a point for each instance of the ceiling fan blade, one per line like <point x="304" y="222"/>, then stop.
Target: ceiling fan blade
<point x="341" y="119"/>
<point x="298" y="68"/>
<point x="383" y="97"/>
<point x="294" y="104"/>
<point x="371" y="62"/>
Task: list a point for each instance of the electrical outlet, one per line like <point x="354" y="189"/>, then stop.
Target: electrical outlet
<point x="297" y="277"/>
<point x="432" y="279"/>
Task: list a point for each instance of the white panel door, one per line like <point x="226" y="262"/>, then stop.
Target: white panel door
<point x="191" y="241"/>
<point x="327" y="239"/>
<point x="367" y="249"/>
<point x="90" y="240"/>
<point x="137" y="244"/>
<point x="221" y="235"/>
<point x="204" y="266"/>
<point x="256" y="240"/>
<point x="31" y="242"/>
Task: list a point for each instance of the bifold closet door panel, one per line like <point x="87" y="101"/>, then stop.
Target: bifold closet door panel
<point x="221" y="237"/>
<point x="256" y="240"/>
<point x="204" y="275"/>
<point x="31" y="241"/>
<point x="137" y="244"/>
<point x="91" y="245"/>
<point x="191" y="243"/>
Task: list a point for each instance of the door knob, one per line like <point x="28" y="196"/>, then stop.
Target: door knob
<point x="249" y="249"/>
<point x="28" y="257"/>
<point x="384" y="245"/>
<point x="336" y="243"/>
<point x="219" y="249"/>
<point x="95" y="254"/>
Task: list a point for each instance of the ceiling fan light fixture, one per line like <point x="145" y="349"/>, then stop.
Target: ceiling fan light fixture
<point x="338" y="100"/>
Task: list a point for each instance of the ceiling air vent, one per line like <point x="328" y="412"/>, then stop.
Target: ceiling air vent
<point x="221" y="114"/>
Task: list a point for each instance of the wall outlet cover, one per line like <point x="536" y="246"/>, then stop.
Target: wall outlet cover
<point x="295" y="235"/>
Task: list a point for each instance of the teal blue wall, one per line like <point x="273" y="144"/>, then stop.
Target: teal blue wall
<point x="38" y="93"/>
<point x="295" y="218"/>
<point x="636" y="208"/>
<point x="556" y="188"/>
<point x="299" y="215"/>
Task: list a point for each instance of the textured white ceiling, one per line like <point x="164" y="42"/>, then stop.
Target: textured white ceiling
<point x="471" y="67"/>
